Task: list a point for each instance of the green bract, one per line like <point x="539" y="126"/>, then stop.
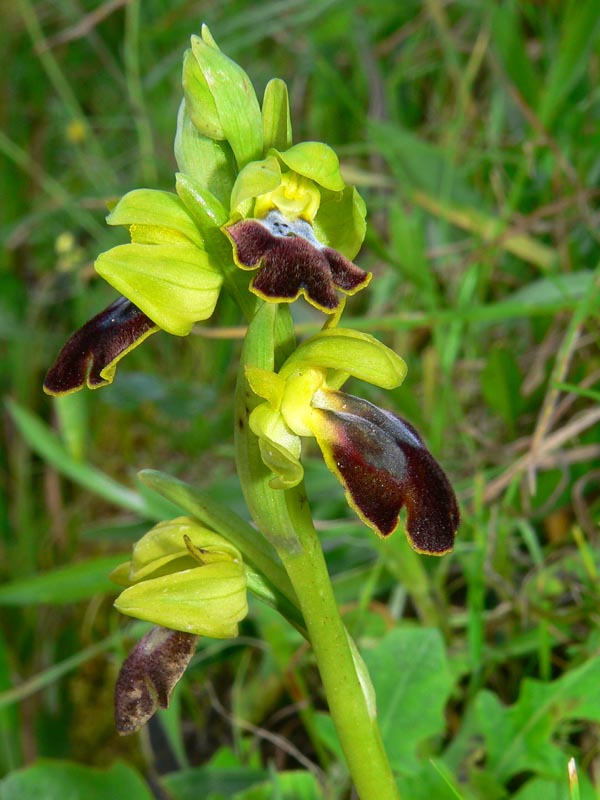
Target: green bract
<point x="277" y="125"/>
<point x="185" y="577"/>
<point x="221" y="100"/>
<point x="209" y="163"/>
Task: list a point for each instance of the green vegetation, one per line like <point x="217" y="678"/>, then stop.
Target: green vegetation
<point x="472" y="131"/>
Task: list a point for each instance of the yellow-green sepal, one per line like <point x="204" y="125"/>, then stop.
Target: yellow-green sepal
<point x="180" y="543"/>
<point x="208" y="600"/>
<point x="350" y="352"/>
<point x="257" y="178"/>
<point x="166" y="542"/>
<point x="175" y="285"/>
<point x="164" y="212"/>
<point x="340" y="222"/>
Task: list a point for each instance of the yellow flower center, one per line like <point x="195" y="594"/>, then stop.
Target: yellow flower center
<point x="296" y="197"/>
<point x="296" y="407"/>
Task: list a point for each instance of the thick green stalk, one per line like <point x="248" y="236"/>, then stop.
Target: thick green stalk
<point x="284" y="518"/>
<point x="352" y="710"/>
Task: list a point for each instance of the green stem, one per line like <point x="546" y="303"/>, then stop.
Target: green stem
<point x="352" y="710"/>
<point x="284" y="518"/>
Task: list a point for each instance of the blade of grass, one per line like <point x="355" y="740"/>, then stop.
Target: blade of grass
<point x="581" y="27"/>
<point x="44" y="441"/>
<point x="68" y="584"/>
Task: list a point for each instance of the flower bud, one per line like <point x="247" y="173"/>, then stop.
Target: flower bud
<point x="220" y="99"/>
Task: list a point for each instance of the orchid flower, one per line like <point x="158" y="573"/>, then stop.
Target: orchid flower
<point x="378" y="457"/>
<point x="189" y="582"/>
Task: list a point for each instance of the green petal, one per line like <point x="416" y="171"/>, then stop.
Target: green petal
<point x="316" y="161"/>
<point x="352" y="352"/>
<point x="161" y="210"/>
<point x="277" y="125"/>
<point x="174" y="285"/>
<point x="209" y="600"/>
<point x="255" y="179"/>
<point x="266" y="384"/>
<point x="209" y="162"/>
<point x="221" y="100"/>
<point x="288" y="471"/>
<point x="340" y="221"/>
<point x="279" y="447"/>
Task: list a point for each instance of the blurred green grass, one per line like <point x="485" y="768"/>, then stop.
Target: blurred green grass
<point x="473" y="131"/>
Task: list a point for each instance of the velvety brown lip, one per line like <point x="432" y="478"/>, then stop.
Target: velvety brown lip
<point x="96" y="345"/>
<point x="289" y="264"/>
<point x="385" y="466"/>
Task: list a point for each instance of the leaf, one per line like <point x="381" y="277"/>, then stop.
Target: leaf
<point x="409" y="247"/>
<point x="410" y="673"/>
<point x="211" y="781"/>
<point x="63" y="585"/>
<point x="555" y="289"/>
<point x="293" y="785"/>
<point x="419" y="165"/>
<point x="59" y="780"/>
<point x="10" y="719"/>
<point x="433" y="781"/>
<point x="556" y="790"/>
<point x="520" y="738"/>
<point x="491" y="229"/>
<point x="73" y="420"/>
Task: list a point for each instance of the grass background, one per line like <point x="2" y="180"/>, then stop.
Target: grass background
<point x="472" y="130"/>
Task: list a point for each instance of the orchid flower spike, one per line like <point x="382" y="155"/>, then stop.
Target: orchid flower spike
<point x="245" y="198"/>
